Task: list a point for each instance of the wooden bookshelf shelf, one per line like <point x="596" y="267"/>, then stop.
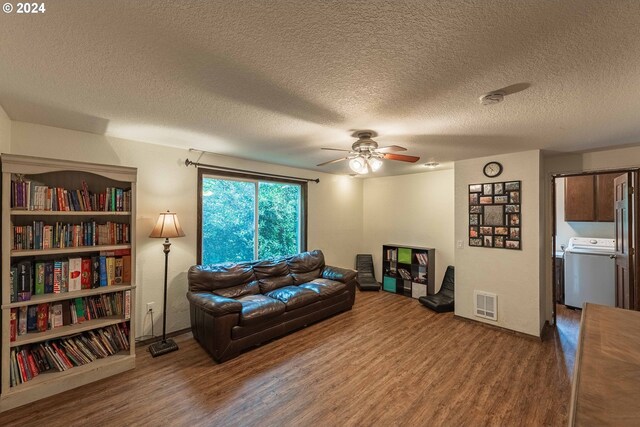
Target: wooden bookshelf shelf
<point x="24" y="212"/>
<point x="47" y="298"/>
<point x="62" y="331"/>
<point x="24" y="180"/>
<point x="63" y="251"/>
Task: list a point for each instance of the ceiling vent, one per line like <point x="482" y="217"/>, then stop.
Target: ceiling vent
<point x="492" y="98"/>
<point x="485" y="305"/>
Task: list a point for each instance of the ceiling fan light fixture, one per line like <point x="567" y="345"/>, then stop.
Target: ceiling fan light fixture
<point x="358" y="165"/>
<point x="375" y="163"/>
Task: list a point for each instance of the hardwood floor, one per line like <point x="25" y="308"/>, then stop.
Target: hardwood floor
<point x="389" y="361"/>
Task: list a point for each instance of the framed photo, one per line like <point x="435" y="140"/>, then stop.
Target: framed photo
<point x="486" y="231"/>
<point x="486" y="200"/>
<point x="502" y="231"/>
<point x="514" y="233"/>
<point x="494" y="215"/>
<point x="511" y="186"/>
<point x="513" y="244"/>
<point x="501" y="199"/>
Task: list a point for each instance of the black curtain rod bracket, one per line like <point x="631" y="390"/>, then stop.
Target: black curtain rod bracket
<point x="188" y="163"/>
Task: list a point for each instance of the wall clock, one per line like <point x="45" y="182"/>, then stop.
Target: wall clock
<point x="492" y="169"/>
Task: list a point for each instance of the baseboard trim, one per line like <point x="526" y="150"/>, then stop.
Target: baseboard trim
<point x="151" y="340"/>
<point x="500" y="328"/>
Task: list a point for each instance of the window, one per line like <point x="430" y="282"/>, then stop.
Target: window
<point x="244" y="217"/>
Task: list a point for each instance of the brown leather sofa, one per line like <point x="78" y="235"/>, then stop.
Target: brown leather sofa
<point x="237" y="306"/>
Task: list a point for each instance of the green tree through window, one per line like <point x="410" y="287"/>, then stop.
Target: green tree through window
<point x="234" y="211"/>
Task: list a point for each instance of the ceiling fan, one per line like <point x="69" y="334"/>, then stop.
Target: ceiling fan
<point x="365" y="156"/>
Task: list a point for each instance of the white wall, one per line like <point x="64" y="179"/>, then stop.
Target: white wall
<point x="566" y="230"/>
<point x="335" y="207"/>
<point x="5" y="132"/>
<point x="514" y="275"/>
<point x="414" y="210"/>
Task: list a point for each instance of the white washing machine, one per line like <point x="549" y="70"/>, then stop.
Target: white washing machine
<point x="589" y="272"/>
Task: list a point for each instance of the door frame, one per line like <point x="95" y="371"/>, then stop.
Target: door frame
<point x="634" y="221"/>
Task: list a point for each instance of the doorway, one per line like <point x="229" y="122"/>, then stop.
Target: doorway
<point x="601" y="207"/>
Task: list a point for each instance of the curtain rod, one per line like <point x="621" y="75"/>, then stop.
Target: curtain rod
<point x="188" y="163"/>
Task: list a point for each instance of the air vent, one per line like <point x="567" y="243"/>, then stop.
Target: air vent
<point x="485" y="305"/>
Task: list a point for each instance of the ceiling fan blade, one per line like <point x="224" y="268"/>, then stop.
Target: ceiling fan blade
<point x="401" y="157"/>
<point x="333" y="161"/>
<point x="389" y="148"/>
<point x="334" y="149"/>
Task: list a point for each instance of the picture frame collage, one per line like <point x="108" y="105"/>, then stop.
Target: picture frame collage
<point x="495" y="215"/>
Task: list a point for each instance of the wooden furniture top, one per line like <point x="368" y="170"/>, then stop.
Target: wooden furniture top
<point x="606" y="377"/>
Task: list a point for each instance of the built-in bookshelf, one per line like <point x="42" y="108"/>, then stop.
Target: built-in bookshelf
<point x="68" y="275"/>
<point x="408" y="270"/>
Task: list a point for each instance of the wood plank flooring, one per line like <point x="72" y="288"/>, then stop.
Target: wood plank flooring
<point x="387" y="362"/>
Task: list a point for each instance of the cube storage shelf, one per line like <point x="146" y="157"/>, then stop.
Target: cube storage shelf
<point x="30" y="212"/>
<point x="408" y="270"/>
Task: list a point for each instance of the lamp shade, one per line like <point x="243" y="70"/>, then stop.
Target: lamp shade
<point x="167" y="226"/>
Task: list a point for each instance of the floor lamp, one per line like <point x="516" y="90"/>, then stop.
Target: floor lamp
<point x="166" y="227"/>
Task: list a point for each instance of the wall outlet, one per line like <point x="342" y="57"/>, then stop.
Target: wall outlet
<point x="150" y="306"/>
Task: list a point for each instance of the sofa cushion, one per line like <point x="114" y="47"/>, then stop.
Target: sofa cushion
<point x="258" y="308"/>
<point x="325" y="288"/>
<point x="270" y="283"/>
<point x="294" y="297"/>
<point x="218" y="276"/>
<point x="306" y="266"/>
<point x="250" y="288"/>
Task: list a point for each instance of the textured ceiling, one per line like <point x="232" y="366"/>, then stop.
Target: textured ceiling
<point x="276" y="80"/>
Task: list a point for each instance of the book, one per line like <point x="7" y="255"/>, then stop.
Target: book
<point x="24" y="280"/>
<point x="95" y="271"/>
<point x="64" y="285"/>
<point x="42" y="321"/>
<point x="49" y="277"/>
<point x="66" y="312"/>
<point x="119" y="267"/>
<point x="57" y="277"/>
<point x="111" y="271"/>
<point x="13" y="283"/>
<point x="126" y="269"/>
<point x="39" y="280"/>
<point x="79" y="304"/>
<point x="13" y="324"/>
<point x="22" y="320"/>
<point x="32" y="318"/>
<point x="75" y="267"/>
<point x="86" y="277"/>
<point x="103" y="270"/>
<point x="57" y="319"/>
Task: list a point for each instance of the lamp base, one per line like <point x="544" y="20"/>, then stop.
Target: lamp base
<point x="162" y="347"/>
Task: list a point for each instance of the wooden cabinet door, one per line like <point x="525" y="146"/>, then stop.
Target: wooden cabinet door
<point x="604" y="196"/>
<point x="579" y="198"/>
<point x="624" y="272"/>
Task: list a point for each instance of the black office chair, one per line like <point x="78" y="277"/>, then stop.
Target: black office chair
<point x="366" y="276"/>
<point x="443" y="300"/>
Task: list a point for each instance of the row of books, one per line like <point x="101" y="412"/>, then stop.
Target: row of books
<point x="35" y="196"/>
<point x="29" y="361"/>
<point x="39" y="235"/>
<point x="391" y="255"/>
<point x="47" y="316"/>
<point x="422" y="258"/>
<point x="28" y="278"/>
